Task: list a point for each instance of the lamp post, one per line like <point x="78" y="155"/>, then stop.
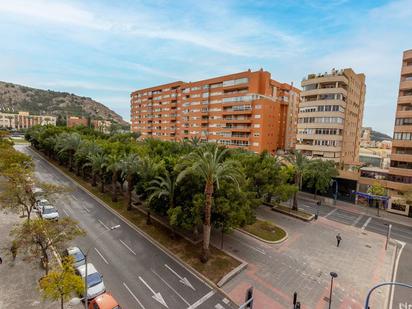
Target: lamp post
<point x="85" y="260"/>
<point x="335" y="195"/>
<point x="383" y="284"/>
<point x="332" y="276"/>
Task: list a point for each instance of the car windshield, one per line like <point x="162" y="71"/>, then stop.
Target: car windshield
<point x="78" y="256"/>
<point x="49" y="210"/>
<point x="93" y="279"/>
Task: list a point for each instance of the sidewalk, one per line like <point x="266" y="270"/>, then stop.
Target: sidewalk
<point x="18" y="284"/>
<point x="362" y="210"/>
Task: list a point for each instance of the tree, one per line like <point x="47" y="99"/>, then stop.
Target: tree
<point x="298" y="162"/>
<point x="318" y="175"/>
<point x="113" y="164"/>
<point x="164" y="187"/>
<point x="130" y="168"/>
<point x="70" y="143"/>
<point x="18" y="193"/>
<point x="377" y="189"/>
<point x="210" y="162"/>
<point x="37" y="238"/>
<point x="61" y="284"/>
<point x="96" y="161"/>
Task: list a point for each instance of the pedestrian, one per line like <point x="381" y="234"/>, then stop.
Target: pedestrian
<point x="1" y="261"/>
<point x="338" y="239"/>
<point x="13" y="249"/>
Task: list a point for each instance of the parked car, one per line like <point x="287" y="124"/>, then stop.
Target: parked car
<point x="95" y="284"/>
<point x="48" y="212"/>
<point x="104" y="301"/>
<point x="40" y="203"/>
<point x="77" y="254"/>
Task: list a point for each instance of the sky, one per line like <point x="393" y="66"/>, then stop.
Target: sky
<point x="107" y="49"/>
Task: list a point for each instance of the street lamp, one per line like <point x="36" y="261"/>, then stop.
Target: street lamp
<point x="333" y="275"/>
<point x="335" y="195"/>
<point x="383" y="284"/>
<point x="85" y="260"/>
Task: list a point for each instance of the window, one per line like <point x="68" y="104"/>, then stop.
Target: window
<point x="255" y="144"/>
<point x="205" y="94"/>
<point x="402" y="136"/>
<point x="310" y="87"/>
<point x="258" y="106"/>
<point x="256" y="125"/>
<point x="403" y="121"/>
<point x="234" y="82"/>
<point x="257" y="116"/>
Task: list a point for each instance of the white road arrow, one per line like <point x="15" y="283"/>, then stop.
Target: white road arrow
<point x="181" y="279"/>
<point x="157" y="296"/>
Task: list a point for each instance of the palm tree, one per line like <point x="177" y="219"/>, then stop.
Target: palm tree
<point x="96" y="161"/>
<point x="70" y="144"/>
<point x="209" y="161"/>
<point x="130" y="168"/>
<point x="299" y="163"/>
<point x="164" y="187"/>
<point x="113" y="165"/>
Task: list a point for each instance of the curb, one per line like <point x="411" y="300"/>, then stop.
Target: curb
<point x="193" y="271"/>
<point x="226" y="278"/>
<point x="274" y="208"/>
<point x="272" y="242"/>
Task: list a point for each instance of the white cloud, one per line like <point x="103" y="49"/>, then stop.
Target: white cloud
<point x="224" y="32"/>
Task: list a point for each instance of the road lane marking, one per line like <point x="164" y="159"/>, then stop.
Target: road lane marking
<point x="127" y="247"/>
<point x="101" y="255"/>
<point x="86" y="209"/>
<point x="170" y="287"/>
<point x="202" y="300"/>
<point x="366" y="223"/>
<point x="65" y="212"/>
<point x="156" y="296"/>
<point x="69" y="210"/>
<point x="181" y="279"/>
<point x="105" y="226"/>
<point x="395" y="271"/>
<point x="357" y="220"/>
<point x="249" y="246"/>
<point x="331" y="212"/>
<point x="134" y="296"/>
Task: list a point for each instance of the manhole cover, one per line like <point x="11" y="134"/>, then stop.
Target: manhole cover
<point x="368" y="246"/>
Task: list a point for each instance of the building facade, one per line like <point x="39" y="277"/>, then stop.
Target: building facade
<point x="330" y="116"/>
<point x="247" y="109"/>
<point x="73" y="121"/>
<point x="23" y="120"/>
<point x="400" y="169"/>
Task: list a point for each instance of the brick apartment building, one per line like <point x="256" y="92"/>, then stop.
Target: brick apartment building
<point x="247" y="109"/>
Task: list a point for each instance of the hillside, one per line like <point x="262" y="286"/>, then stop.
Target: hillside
<point x="378" y="136"/>
<point x="15" y="98"/>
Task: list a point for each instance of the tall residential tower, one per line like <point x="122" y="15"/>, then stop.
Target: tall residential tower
<point x="330" y="116"/>
<point x="401" y="158"/>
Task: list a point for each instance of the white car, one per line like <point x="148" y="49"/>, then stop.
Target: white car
<point x="41" y="203"/>
<point x="95" y="284"/>
<point x="49" y="213"/>
<point x="77" y="254"/>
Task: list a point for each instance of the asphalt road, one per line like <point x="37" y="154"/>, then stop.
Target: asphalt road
<point x="138" y="273"/>
<point x="402" y="296"/>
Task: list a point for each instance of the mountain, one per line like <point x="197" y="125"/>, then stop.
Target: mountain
<point x="14" y="98"/>
<point x="378" y="136"/>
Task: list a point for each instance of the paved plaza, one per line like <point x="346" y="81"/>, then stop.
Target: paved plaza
<point x="303" y="264"/>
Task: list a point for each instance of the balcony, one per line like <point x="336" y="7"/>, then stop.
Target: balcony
<point x="403" y="113"/>
<point x="406" y="70"/>
<point x="405" y="85"/>
<point x="324" y="78"/>
<point x="400" y="171"/>
<point x="401" y="157"/>
<point x="317" y="148"/>
<point x="237" y="120"/>
<point x="324" y="91"/>
<point x="406" y="99"/>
